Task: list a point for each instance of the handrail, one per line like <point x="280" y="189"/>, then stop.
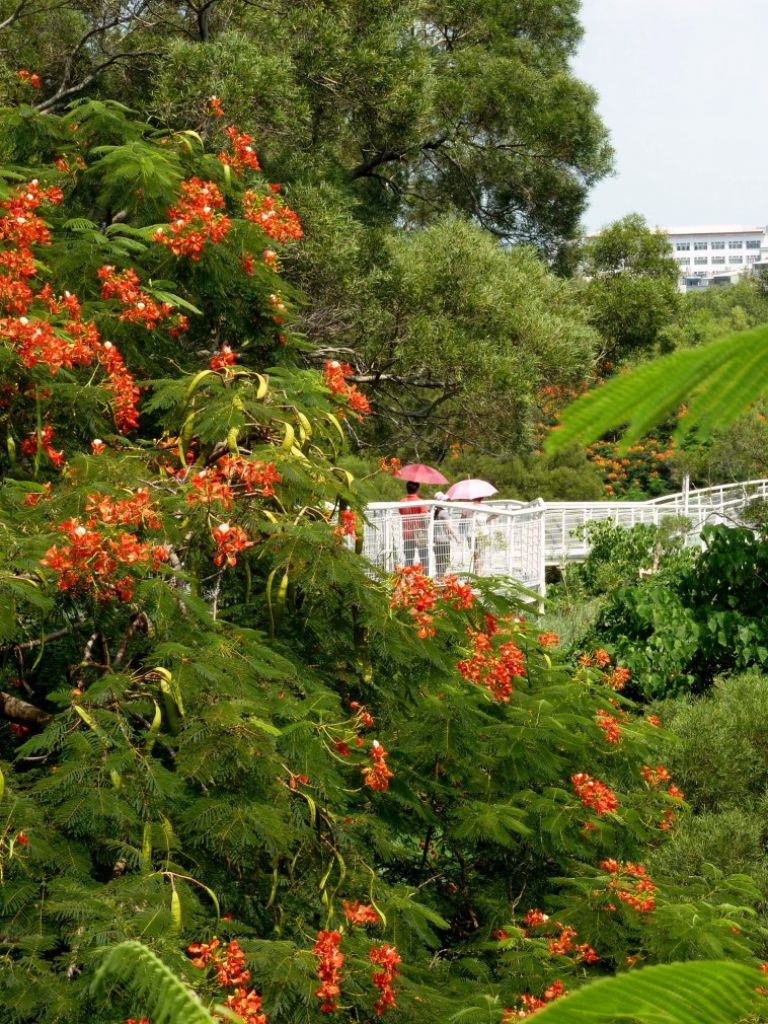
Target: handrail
<point x="519" y="539"/>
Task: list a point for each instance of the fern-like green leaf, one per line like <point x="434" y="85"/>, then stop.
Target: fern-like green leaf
<point x="696" y="992"/>
<point x="719" y="381"/>
<point x="163" y="997"/>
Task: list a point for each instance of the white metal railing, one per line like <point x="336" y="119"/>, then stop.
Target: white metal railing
<point x="518" y="540"/>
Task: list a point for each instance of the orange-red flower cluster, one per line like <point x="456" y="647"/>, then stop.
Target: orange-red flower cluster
<point x="378" y="774"/>
<point x="496" y="668"/>
<point x="530" y="1004"/>
<point x="392" y="466"/>
<point x="548" y="639"/>
<point x="363" y="715"/>
<point x="414" y="590"/>
<point x="630" y="883"/>
<point x="214" y="106"/>
<point x="347" y="525"/>
<point x="196" y="220"/>
<point x="231" y="972"/>
<point x="654" y="777"/>
<point x="331" y="961"/>
<point x="616" y="678"/>
<point x="76" y="342"/>
<point x="243" y="155"/>
<point x="92" y="562"/>
<point x="610" y="726"/>
<point x="459" y="595"/>
<point x="562" y="944"/>
<point x="360" y="913"/>
<point x="223" y="359"/>
<point x="335" y="376"/>
<point x="233" y="476"/>
<point x="594" y="794"/>
<point x="138" y="510"/>
<point x="43" y="442"/>
<point x="29" y="76"/>
<point x="388" y="959"/>
<point x="657" y="778"/>
<point x="276" y="220"/>
<point x="138" y="306"/>
<point x="230" y="541"/>
<point x="125" y="393"/>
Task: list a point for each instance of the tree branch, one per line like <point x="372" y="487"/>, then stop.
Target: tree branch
<point x="13" y="707"/>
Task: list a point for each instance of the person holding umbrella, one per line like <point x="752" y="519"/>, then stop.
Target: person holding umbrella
<point x="475" y="491"/>
<point x="415" y="536"/>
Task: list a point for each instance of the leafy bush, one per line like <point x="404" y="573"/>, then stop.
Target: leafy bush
<point x="676" y="632"/>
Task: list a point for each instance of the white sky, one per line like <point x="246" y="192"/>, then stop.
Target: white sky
<point x="683" y="87"/>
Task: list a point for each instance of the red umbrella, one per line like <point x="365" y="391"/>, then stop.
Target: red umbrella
<point x="421" y="474"/>
<point x="469" y="490"/>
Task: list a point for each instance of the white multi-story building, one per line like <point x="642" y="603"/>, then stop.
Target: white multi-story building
<point x="718" y="254"/>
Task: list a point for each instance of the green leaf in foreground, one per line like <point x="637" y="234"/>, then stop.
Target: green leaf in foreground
<point x="163" y="997"/>
<point x="718" y="381"/>
<point x="696" y="992"/>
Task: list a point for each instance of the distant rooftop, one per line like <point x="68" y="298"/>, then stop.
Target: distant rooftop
<point x="714" y="229"/>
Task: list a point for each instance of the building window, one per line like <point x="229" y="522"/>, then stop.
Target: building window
<point x="684" y="261"/>
<point x="753" y="243"/>
<point x="735" y="259"/>
<point x="753" y="258"/>
<point x="718" y="245"/>
<point x="735" y="245"/>
<point x="700" y="245"/>
<point x="682" y="246"/>
<point x="718" y="259"/>
<point x="700" y="260"/>
<point x="700" y="273"/>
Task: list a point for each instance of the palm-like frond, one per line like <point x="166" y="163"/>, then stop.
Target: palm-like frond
<point x="696" y="992"/>
<point x="718" y="381"/>
<point x="163" y="996"/>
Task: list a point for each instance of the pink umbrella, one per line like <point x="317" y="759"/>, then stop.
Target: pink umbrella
<point x="469" y="490"/>
<point x="421" y="474"/>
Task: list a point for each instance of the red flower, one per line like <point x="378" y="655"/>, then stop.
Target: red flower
<point x="329" y="969"/>
<point x="138" y="306"/>
<point x="347" y="526"/>
<point x="335" y="374"/>
<point x="388" y="959"/>
<point x="214" y="106"/>
<point x="230" y="541"/>
<point x="275" y="219"/>
<point x="609" y="725"/>
<point x="223" y="359"/>
<point x="594" y="794"/>
<point x="548" y="639"/>
<point x="21" y="839"/>
<point x="195" y="220"/>
<point x="97" y="446"/>
<point x="533" y="918"/>
<point x="29" y="76"/>
<point x="493" y="668"/>
<point x="360" y="913"/>
<point x="377" y="776"/>
<point x="243" y="154"/>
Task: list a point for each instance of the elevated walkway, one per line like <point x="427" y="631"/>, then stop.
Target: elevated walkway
<point x="519" y="540"/>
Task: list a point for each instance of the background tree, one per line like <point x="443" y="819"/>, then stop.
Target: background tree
<point x="631" y="290"/>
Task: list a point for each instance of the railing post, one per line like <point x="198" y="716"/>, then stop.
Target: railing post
<point x="686" y="491"/>
<point x="431" y="567"/>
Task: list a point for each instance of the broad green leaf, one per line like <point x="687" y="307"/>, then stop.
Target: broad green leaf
<point x="697" y="992"/>
<point x="718" y="381"/>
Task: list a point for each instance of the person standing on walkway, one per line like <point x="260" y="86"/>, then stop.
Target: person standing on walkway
<point x="443" y="535"/>
<point x="414" y="526"/>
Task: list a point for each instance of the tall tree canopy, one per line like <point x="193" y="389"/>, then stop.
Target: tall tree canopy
<point x="412" y="106"/>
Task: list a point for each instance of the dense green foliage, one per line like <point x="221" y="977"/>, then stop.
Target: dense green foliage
<point x="196" y="661"/>
<point x="674" y="615"/>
